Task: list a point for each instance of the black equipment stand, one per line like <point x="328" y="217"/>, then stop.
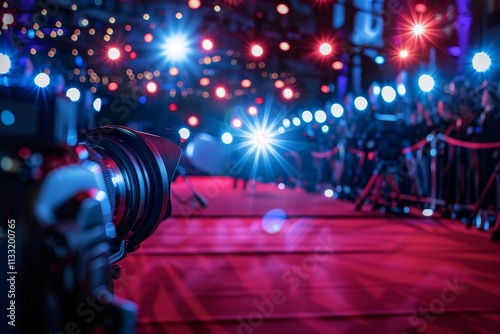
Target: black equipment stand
<point x="197" y="200"/>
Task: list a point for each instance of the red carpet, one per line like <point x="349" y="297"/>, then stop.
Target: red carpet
<point x="323" y="269"/>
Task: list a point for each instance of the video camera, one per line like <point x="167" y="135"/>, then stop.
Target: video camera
<point x="70" y="213"/>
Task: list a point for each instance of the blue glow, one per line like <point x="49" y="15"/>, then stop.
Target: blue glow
<point x="307" y="116"/>
<point x="42" y="80"/>
<point x="79" y="61"/>
<point x="176" y="47"/>
<point x="325" y="128"/>
<point x="143" y="99"/>
<point x="5" y="63"/>
<point x="281" y="130"/>
<point x="31" y="33"/>
<point x="286" y="123"/>
<point x="273" y="221"/>
<point x="379" y="60"/>
<point x="376" y="90"/>
<point x="7" y="118"/>
<point x="401" y="89"/>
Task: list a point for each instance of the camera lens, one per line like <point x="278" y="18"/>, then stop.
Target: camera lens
<point x="138" y="169"/>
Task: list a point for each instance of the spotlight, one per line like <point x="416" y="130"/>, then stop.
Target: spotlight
<point x="257" y="50"/>
<point x="42" y="80"/>
<point x="152" y="87"/>
<point x="4" y="64"/>
<point x="193" y="121"/>
<point x="176" y="47"/>
<point x="113" y="53"/>
<point x="252" y="111"/>
<point x="307" y="116"/>
<point x="287" y="93"/>
<point x="261" y="139"/>
<point x="207" y="44"/>
<point x="337" y="110"/>
<point x="481" y="61"/>
<point x="325" y="49"/>
<point x="237" y="123"/>
<point x="73" y="94"/>
<point x="426" y="83"/>
<point x="360" y="103"/>
<point x="403" y="54"/>
<point x="220" y="92"/>
<point x="418" y="29"/>
<point x="227" y="138"/>
<point x="388" y="94"/>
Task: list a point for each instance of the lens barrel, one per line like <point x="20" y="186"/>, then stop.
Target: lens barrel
<point x="138" y="168"/>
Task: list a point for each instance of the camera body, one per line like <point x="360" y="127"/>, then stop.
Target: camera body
<point x="70" y="213"/>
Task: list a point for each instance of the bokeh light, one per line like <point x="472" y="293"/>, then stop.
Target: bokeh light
<point x="193" y="121"/>
<point x="481" y="61"/>
<point x="360" y="103"/>
<point x="284" y="46"/>
<point x="227" y="138"/>
<point x="337" y="110"/>
<point x="388" y="94"/>
<point x="325" y="49"/>
<point x="252" y="111"/>
<point x="73" y="94"/>
<point x="42" y="80"/>
<point x="236" y="123"/>
<point x="5" y="63"/>
<point x="307" y="116"/>
<point x="152" y="87"/>
<point x="426" y="83"/>
<point x="113" y="53"/>
<point x="220" y="92"/>
<point x="287" y="93"/>
<point x="282" y="9"/>
<point x="257" y="50"/>
<point x="184" y="133"/>
<point x="207" y="44"/>
<point x="320" y="116"/>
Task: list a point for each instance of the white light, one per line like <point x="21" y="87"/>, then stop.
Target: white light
<point x="227" y="138"/>
<point x="401" y="89"/>
<point x="73" y="94"/>
<point x="257" y="50"/>
<point x="100" y="195"/>
<point x="281" y="186"/>
<point x="261" y="139"/>
<point x="426" y="83"/>
<point x="376" y="90"/>
<point x="481" y="62"/>
<point x="4" y="64"/>
<point x="113" y="53"/>
<point x="176" y="47"/>
<point x="286" y="123"/>
<point x="296" y="121"/>
<point x="360" y="103"/>
<point x="427" y="212"/>
<point x="325" y="128"/>
<point x="184" y="132"/>
<point x="307" y="116"/>
<point x="337" y="110"/>
<point x="8" y="18"/>
<point x="325" y="49"/>
<point x="281" y="130"/>
<point x="320" y="116"/>
<point x="379" y="59"/>
<point x="388" y="94"/>
<point x="329" y="193"/>
<point x="97" y="104"/>
<point x="42" y="80"/>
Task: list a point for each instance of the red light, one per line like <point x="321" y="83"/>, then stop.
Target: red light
<point x="257" y="50"/>
<point x="337" y="65"/>
<point x="152" y="87"/>
<point x="282" y="9"/>
<point x="207" y="44"/>
<point x="194" y="4"/>
<point x="237" y="123"/>
<point x="113" y="86"/>
<point x="403" y="54"/>
<point x="325" y="89"/>
<point x="113" y="53"/>
<point x="204" y="81"/>
<point x="127" y="48"/>
<point x="252" y="111"/>
<point x="287" y="93"/>
<point x="420" y="8"/>
<point x="279" y="84"/>
<point x="259" y="100"/>
<point x="24" y="152"/>
<point x="284" y="46"/>
<point x="220" y="92"/>
<point x="148" y="38"/>
<point x="245" y="83"/>
<point x="172" y="107"/>
<point x="193" y="121"/>
<point x="133" y="55"/>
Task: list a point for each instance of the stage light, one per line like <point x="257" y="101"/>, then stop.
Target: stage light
<point x="220" y="92"/>
<point x="73" y="94"/>
<point x="227" y="138"/>
<point x="325" y="128"/>
<point x="427" y="212"/>
<point x="426" y="83"/>
<point x="176" y="47"/>
<point x="388" y="94"/>
<point x="287" y="93"/>
<point x="152" y="87"/>
<point x="112" y="86"/>
<point x="261" y="139"/>
<point x="207" y="44"/>
<point x="401" y="89"/>
<point x="252" y="111"/>
<point x="257" y="50"/>
<point x="325" y="49"/>
<point x="328" y="193"/>
<point x="5" y="63"/>
<point x="113" y="53"/>
<point x="403" y="54"/>
<point x="286" y="123"/>
<point x="279" y="84"/>
<point x="420" y="8"/>
<point x="42" y="80"/>
<point x="296" y="121"/>
<point x="284" y="46"/>
<point x="193" y="121"/>
<point x="236" y="123"/>
<point x="379" y="59"/>
<point x="307" y="116"/>
<point x="360" y="103"/>
<point x="320" y="116"/>
<point x="282" y="9"/>
<point x="148" y="38"/>
<point x="194" y="4"/>
<point x="204" y="81"/>
<point x="245" y="83"/>
<point x="337" y="110"/>
<point x="481" y="62"/>
<point x="184" y="133"/>
<point x="325" y="89"/>
<point x="337" y="65"/>
<point x="173" y="107"/>
<point x="376" y="90"/>
<point x="418" y="29"/>
<point x="97" y="104"/>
